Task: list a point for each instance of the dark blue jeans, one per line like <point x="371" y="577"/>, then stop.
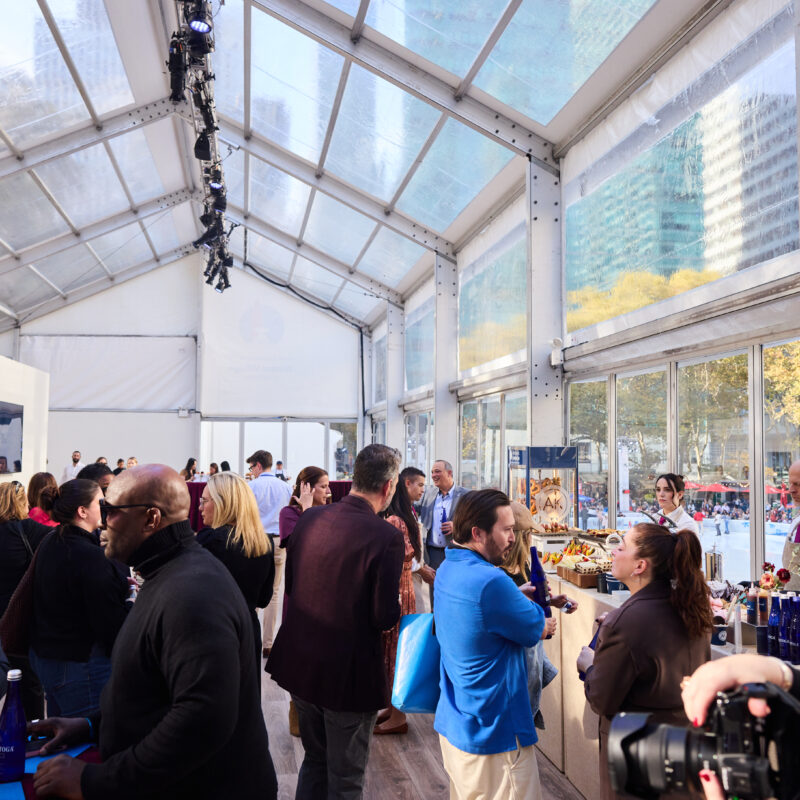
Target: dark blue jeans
<point x="72" y="688"/>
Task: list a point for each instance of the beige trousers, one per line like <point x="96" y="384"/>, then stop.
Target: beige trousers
<point x="501" y="776"/>
<point x="271" y="611"/>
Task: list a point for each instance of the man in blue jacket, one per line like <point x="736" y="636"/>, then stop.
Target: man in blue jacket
<point x="483" y="623"/>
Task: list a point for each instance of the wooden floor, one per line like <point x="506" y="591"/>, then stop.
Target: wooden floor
<point x="405" y="767"/>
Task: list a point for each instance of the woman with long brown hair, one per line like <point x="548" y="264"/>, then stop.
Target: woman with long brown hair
<point x="660" y="634"/>
<point x="42" y="491"/>
<point x="312" y="488"/>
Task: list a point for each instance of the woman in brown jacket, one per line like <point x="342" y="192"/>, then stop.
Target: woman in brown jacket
<point x="659" y="635"/>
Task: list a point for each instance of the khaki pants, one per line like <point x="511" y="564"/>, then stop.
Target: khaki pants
<point x="271" y="611"/>
<point x="501" y="776"/>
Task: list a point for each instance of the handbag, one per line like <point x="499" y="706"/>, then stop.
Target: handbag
<point x="15" y="624"/>
<point x="416" y="670"/>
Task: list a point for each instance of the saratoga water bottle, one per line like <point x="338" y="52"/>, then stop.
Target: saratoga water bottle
<point x="773" y="626"/>
<point x="12" y="731"/>
<point x="539" y="582"/>
<point x="794" y="632"/>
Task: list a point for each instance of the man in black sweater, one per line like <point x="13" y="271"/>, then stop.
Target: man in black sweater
<point x="181" y="715"/>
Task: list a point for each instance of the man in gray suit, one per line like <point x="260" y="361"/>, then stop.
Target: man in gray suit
<point x="436" y="513"/>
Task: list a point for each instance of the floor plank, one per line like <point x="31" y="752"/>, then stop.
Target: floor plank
<point x="405" y="767"/>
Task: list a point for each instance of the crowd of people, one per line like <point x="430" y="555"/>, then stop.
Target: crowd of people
<point x="143" y="635"/>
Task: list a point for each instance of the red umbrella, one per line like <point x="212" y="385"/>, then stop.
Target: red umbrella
<point x="718" y="487"/>
<point x="693" y="485"/>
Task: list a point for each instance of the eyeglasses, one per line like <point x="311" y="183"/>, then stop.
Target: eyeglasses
<point x="203" y="500"/>
<point x="106" y="508"/>
<point x="17" y="486"/>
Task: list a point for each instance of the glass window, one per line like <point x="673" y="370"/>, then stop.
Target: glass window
<point x="516" y="429"/>
<point x="28" y="216"/>
<point x="379" y="370"/>
<point x="22" y="289"/>
<point x="219" y="441"/>
<point x="419" y="346"/>
<point x="85" y="185"/>
<point x="264" y="436"/>
<point x="468" y="468"/>
<point x="162" y="230"/>
<point x="306" y="446"/>
<point x="490" y="437"/>
<point x="268" y="255"/>
<point x="588" y="431"/>
<point x="342" y="450"/>
<point x="379" y="132"/>
<point x="418" y="441"/>
<point x="781" y="442"/>
<point x="135" y="160"/>
<point x="459" y="164"/>
<point x="713" y="455"/>
<point x="451" y="34"/>
<point x="276" y="197"/>
<point x="557" y="45"/>
<point x="71" y="268"/>
<point x="389" y="257"/>
<point x="228" y="60"/>
<point x="641" y="443"/>
<point x="492" y="305"/>
<point x="294" y="83"/>
<point x="336" y="229"/>
<point x="716" y="195"/>
<point x="378" y="431"/>
<point x="233" y="171"/>
<point x="37" y="94"/>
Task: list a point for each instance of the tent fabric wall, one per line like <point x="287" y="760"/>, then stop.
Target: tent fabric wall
<point x="264" y="353"/>
<point x="115" y="372"/>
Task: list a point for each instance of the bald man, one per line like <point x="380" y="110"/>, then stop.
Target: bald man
<point x="791" y="547"/>
<point x="181" y="716"/>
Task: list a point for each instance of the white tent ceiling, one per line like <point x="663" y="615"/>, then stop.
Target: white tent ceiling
<point x="357" y="137"/>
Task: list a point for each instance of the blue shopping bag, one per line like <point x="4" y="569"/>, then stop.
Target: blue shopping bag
<point x="416" y="670"/>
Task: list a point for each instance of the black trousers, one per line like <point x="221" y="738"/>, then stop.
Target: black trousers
<point x="434" y="556"/>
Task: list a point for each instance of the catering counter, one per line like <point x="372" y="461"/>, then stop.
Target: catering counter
<point x="570" y="737"/>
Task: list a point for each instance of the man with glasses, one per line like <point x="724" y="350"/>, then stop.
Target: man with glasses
<point x="272" y="494"/>
<point x="181" y="714"/>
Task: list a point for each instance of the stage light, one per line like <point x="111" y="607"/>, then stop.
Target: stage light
<point x="219" y="203"/>
<point x="204" y="105"/>
<point x="223" y="283"/>
<point x="202" y="147"/>
<point x="197" y="16"/>
<point x="177" y="68"/>
<point x="215" y="179"/>
<point x="210" y="236"/>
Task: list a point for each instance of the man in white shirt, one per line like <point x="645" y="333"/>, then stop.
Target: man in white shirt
<point x="272" y="494"/>
<point x="71" y="471"/>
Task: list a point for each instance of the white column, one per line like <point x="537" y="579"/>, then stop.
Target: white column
<point x="445" y="403"/>
<point x="545" y="308"/>
<point x="395" y="379"/>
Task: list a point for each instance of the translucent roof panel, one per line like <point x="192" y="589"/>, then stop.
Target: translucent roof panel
<point x="161" y="229"/>
<point x="85" y="185"/>
<point x="263" y="253"/>
<point x="22" y="289"/>
<point x="550" y="49"/>
<point x="450" y="33"/>
<point x="125" y="247"/>
<point x="87" y="33"/>
<point x="70" y="268"/>
<point x="348" y="6"/>
<point x="28" y="216"/>
<point x="233" y="169"/>
<point x="337" y="229"/>
<point x="37" y="95"/>
<point x="379" y="132"/>
<point x="314" y="280"/>
<point x="135" y="160"/>
<point x="390" y="257"/>
<point x="276" y="197"/>
<point x="458" y="165"/>
<point x="357" y="302"/>
<point x="293" y="85"/>
<point x="228" y="60"/>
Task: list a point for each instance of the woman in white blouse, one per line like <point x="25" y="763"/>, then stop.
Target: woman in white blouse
<point x="669" y="496"/>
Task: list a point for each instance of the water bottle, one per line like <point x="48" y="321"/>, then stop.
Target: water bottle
<point x="794" y="632"/>
<point x="783" y="631"/>
<point x="539" y="582"/>
<point x="773" y="625"/>
<point x="752" y="603"/>
<point x="12" y="731"/>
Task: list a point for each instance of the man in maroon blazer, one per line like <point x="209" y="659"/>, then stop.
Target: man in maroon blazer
<point x="343" y="576"/>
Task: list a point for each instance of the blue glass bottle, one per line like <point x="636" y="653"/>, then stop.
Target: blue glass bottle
<point x="794" y="632"/>
<point x="539" y="582"/>
<point x="773" y="626"/>
<point x="12" y="731"/>
<point x="783" y="631"/>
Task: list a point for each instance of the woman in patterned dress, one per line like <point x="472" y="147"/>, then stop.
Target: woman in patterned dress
<point x="401" y="515"/>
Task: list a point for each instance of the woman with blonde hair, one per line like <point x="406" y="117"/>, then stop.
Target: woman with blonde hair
<point x="235" y="535"/>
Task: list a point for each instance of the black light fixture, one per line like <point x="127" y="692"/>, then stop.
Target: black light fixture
<point x="210" y="236"/>
<point x="220" y="202"/>
<point x="196" y="13"/>
<point x="202" y="147"/>
<point x="215" y="180"/>
<point x="177" y="68"/>
<point x="223" y="283"/>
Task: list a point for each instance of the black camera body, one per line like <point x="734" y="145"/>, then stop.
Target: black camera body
<point x="753" y="757"/>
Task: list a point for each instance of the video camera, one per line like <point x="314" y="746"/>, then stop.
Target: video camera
<point x="753" y="757"/>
